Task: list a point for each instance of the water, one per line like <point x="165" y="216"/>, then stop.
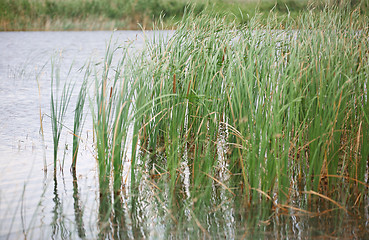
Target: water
<point x="35" y="203"/>
<point x="28" y="195"/>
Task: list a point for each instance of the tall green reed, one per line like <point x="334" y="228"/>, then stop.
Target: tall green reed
<point x="291" y="103"/>
<point x="59" y="104"/>
<point x="111" y="113"/>
<point x="78" y="116"/>
<point x="217" y="114"/>
<point x="265" y="111"/>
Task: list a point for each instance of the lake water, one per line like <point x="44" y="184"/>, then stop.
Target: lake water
<point x="35" y="204"/>
<point x="27" y="192"/>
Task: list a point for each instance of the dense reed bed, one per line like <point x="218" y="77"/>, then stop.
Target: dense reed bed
<point x="264" y="114"/>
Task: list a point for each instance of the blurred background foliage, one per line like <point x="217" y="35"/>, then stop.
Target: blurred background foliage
<point x="134" y="14"/>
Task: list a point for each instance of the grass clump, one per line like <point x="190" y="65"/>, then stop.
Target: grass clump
<point x="258" y="122"/>
<point x="78" y="117"/>
<point x="58" y="105"/>
<point x="111" y="118"/>
<point x="265" y="112"/>
<point x="280" y="111"/>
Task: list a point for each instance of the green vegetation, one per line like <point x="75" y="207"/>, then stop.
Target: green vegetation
<point x="275" y="111"/>
<point x="111" y="118"/>
<point x="58" y="104"/>
<point x="85" y="15"/>
<point x="78" y="117"/>
<point x="220" y="113"/>
<point x="279" y="110"/>
<point x="18" y="15"/>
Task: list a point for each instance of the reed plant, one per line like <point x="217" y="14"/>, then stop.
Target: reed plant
<point x="290" y="104"/>
<point x="78" y="116"/>
<point x="111" y="113"/>
<point x="60" y="100"/>
<point x="265" y="111"/>
<point x="222" y="118"/>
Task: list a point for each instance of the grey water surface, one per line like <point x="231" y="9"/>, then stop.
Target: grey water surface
<point x="30" y="197"/>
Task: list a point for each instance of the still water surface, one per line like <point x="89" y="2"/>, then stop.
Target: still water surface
<point x="30" y="198"/>
<point x="35" y="204"/>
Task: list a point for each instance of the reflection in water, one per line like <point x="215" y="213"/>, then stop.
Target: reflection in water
<point x="155" y="211"/>
<point x="78" y="213"/>
<point x="120" y="229"/>
<point x="105" y="210"/>
<point x="138" y="217"/>
<point x="59" y="230"/>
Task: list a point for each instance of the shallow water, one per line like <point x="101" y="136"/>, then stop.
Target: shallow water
<point x="28" y="194"/>
<point x="35" y="203"/>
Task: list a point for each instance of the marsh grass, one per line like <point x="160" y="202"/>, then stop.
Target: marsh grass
<point x="60" y="100"/>
<point x="291" y="104"/>
<point x="261" y="113"/>
<point x="111" y="116"/>
<point x="78" y="116"/>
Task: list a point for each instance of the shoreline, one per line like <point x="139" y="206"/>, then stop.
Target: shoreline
<point x="93" y="15"/>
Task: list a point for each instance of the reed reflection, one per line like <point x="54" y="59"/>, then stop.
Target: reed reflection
<point x="105" y="208"/>
<point x="138" y="216"/>
<point x="78" y="212"/>
<point x="119" y="223"/>
<point x="59" y="230"/>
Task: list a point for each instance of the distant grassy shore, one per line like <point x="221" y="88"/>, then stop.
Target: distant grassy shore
<point x="44" y="15"/>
